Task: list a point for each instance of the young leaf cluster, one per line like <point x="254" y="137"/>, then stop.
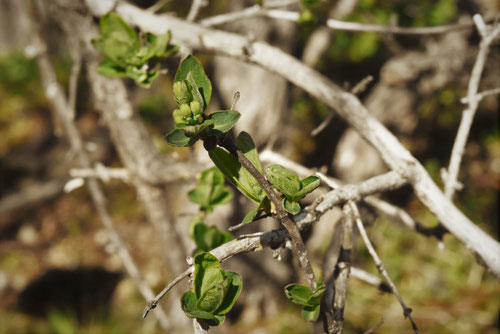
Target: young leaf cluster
<point x="209" y="192"/>
<point x="309" y="300"/>
<point x="214" y="291"/>
<point x="207" y="237"/>
<point x="192" y="92"/>
<point x="126" y="54"/>
<point x="290" y="186"/>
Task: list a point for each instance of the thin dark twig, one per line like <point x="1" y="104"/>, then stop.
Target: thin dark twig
<point x="380" y="266"/>
<point x="154" y="302"/>
<point x="236" y="98"/>
<point x="298" y="246"/>
<point x="357" y="89"/>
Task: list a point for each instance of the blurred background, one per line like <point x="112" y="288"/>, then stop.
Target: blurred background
<point x="58" y="270"/>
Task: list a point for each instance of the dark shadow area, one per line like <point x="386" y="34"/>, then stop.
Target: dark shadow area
<point x="84" y="292"/>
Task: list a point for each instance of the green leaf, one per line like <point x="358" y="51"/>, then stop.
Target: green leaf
<point x="194" y="90"/>
<point x="178" y="138"/>
<point x="224" y="121"/>
<point x="158" y="43"/>
<point x="250" y="216"/>
<point x="118" y="41"/>
<point x="315" y="298"/>
<point x="291" y="206"/>
<point x="191" y="64"/>
<point x="188" y="304"/>
<point x="287" y="182"/>
<point x="210" y="190"/>
<point x="207" y="273"/>
<point x="111" y="69"/>
<point x="207" y="238"/>
<point x="311" y="313"/>
<point x="218" y="320"/>
<point x="308" y="185"/>
<point x="197" y="232"/>
<point x="212" y="298"/>
<point x="246" y="145"/>
<point x="232" y="293"/>
<point x="237" y="174"/>
<point x="298" y="293"/>
<point x="264" y="206"/>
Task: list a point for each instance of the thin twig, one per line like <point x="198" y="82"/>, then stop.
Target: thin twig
<point x="362" y="85"/>
<point x="357" y="89"/>
<point x="196" y="6"/>
<point x="101" y="172"/>
<point x="154" y="302"/>
<point x="401" y="216"/>
<point x="380" y="266"/>
<point x="236" y="98"/>
<point x="73" y="78"/>
<point x="332" y="23"/>
<point x="488" y="35"/>
<point x="482" y="95"/>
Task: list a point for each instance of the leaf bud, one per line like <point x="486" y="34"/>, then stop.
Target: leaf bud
<point x="196" y="108"/>
<point x="178" y="119"/>
<point x="185" y="110"/>
<point x="181" y="92"/>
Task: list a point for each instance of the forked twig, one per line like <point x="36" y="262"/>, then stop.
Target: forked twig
<point x="488" y="34"/>
<point x="380" y="266"/>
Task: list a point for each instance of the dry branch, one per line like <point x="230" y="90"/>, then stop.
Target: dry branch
<point x="488" y="35"/>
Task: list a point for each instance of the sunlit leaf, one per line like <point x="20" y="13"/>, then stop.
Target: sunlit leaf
<point x="193" y="66"/>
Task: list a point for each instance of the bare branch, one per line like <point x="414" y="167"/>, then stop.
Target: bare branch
<point x="101" y="172"/>
<point x="332" y="23"/>
<point x="347" y="106"/>
<point x="380" y="266"/>
<point x="488" y="35"/>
